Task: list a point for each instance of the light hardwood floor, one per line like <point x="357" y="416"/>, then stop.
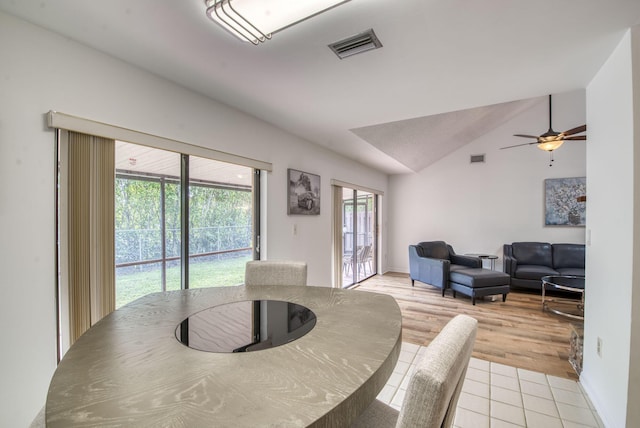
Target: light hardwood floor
<point x="516" y="332"/>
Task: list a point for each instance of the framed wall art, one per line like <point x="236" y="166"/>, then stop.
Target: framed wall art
<point x="304" y="193"/>
<point x="565" y="201"/>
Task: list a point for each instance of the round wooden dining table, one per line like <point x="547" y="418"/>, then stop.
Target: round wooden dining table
<point x="130" y="370"/>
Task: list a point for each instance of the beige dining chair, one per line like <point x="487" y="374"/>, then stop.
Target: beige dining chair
<point x="38" y="421"/>
<point x="275" y="272"/>
<point x="435" y="385"/>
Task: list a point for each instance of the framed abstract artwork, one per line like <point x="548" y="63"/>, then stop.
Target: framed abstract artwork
<point x="304" y="193"/>
<point x="565" y="201"/>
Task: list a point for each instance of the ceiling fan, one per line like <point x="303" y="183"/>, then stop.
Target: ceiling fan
<point x="551" y="140"/>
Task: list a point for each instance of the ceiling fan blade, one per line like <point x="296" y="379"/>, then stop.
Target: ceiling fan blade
<point x="518" y="145"/>
<point x="577" y="137"/>
<point x="526" y="136"/>
<point x="576" y="130"/>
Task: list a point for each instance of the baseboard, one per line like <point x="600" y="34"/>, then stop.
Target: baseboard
<point x="392" y="270"/>
<point x="596" y="399"/>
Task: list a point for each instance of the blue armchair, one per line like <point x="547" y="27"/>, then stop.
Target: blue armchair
<point x="432" y="262"/>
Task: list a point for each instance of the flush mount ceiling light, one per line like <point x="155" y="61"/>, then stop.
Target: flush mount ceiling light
<point x="256" y="20"/>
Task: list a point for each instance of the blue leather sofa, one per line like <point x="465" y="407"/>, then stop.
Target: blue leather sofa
<point x="527" y="262"/>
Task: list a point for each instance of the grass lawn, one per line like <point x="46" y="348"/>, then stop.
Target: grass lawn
<point x="132" y="284"/>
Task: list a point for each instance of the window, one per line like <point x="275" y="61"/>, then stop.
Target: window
<point x="153" y="179"/>
<point x="355" y="233"/>
<point x="149" y="222"/>
<point x="359" y="243"/>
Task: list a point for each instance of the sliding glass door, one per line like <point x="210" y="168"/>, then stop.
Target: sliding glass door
<point x="154" y="193"/>
<point x="359" y="238"/>
<point x="220" y="222"/>
<point x="147" y="223"/>
<point x="133" y="219"/>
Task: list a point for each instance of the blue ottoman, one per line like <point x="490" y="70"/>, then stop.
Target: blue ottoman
<point x="477" y="282"/>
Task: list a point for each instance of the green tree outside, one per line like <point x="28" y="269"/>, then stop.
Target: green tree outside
<point x="220" y="220"/>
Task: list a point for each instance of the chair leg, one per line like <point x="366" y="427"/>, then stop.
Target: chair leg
<point x="412" y="282"/>
<point x="454" y="294"/>
<point x="504" y="297"/>
<point x="473" y="300"/>
<point x="443" y="291"/>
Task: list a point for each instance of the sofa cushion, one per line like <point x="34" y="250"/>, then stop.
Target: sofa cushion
<point x="533" y="271"/>
<point x="571" y="271"/>
<point x="533" y="253"/>
<point x="478" y="277"/>
<point x="568" y="256"/>
<point x="434" y="250"/>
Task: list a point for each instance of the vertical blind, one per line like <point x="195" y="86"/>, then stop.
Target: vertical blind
<point x="91" y="258"/>
<point x="337" y="236"/>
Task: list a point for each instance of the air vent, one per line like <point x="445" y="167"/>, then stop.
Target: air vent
<point x="477" y="158"/>
<point x="357" y="44"/>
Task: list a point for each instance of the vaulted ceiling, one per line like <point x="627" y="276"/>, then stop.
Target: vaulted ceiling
<point x="448" y="69"/>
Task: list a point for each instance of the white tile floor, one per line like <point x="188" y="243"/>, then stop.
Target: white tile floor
<point x="495" y="395"/>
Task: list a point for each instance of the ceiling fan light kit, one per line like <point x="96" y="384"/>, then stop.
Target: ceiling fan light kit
<point x="550" y="145"/>
<point x="255" y="21"/>
<point x="552" y="140"/>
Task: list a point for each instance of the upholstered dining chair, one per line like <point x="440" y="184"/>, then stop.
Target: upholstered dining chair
<point x="38" y="422"/>
<point x="434" y="386"/>
<point x="275" y="272"/>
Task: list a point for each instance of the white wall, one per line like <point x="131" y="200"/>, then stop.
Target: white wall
<point x="633" y="396"/>
<point x="40" y="71"/>
<point x="612" y="256"/>
<point x="479" y="207"/>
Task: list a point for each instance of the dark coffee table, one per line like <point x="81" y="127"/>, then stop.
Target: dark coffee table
<point x="571" y="284"/>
